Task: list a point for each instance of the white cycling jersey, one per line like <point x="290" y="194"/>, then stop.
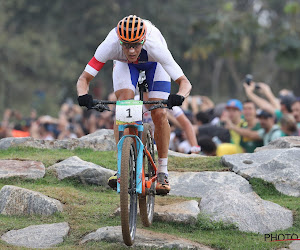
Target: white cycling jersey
<point x="155" y="49"/>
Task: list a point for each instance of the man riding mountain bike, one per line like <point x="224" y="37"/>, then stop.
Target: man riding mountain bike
<point x="136" y="44"/>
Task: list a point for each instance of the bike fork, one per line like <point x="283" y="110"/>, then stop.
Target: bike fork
<point x="139" y="162"/>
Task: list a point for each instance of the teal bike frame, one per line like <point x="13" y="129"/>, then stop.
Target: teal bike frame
<point x="139" y="147"/>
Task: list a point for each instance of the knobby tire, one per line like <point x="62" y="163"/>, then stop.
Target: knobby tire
<point x="146" y="203"/>
<point x="128" y="195"/>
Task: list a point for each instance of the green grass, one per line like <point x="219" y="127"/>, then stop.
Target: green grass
<point x="107" y="159"/>
<point x="87" y="207"/>
<point x="209" y="163"/>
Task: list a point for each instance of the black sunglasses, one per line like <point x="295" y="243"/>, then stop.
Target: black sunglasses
<point x="131" y="45"/>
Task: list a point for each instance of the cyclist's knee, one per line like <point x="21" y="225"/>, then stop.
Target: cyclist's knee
<point x="159" y="115"/>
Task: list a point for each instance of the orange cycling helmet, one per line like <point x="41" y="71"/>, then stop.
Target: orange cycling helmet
<point x="131" y="29"/>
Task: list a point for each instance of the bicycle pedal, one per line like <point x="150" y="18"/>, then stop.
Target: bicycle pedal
<point x="162" y="192"/>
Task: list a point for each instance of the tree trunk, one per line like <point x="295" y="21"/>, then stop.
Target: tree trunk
<point x="216" y="78"/>
<point x="235" y="76"/>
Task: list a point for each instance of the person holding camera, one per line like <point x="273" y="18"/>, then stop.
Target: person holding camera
<point x="271" y="104"/>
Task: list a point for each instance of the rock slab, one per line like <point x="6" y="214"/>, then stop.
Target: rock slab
<point x="183" y="212"/>
<point x="8" y="142"/>
<point x="229" y="197"/>
<point x="20" y="201"/>
<point x="40" y="236"/>
<point x="17" y="168"/>
<point x="177" y="154"/>
<point x="86" y="172"/>
<point x="143" y="238"/>
<point x="281" y="143"/>
<point x="101" y="140"/>
<point x="277" y="166"/>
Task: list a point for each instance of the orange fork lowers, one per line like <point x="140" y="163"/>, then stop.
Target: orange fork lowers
<point x="147" y="184"/>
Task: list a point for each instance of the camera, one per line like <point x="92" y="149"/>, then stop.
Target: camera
<point x="248" y="79"/>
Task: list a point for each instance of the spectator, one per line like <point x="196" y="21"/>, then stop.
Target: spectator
<point x="234" y="110"/>
<point x="249" y="112"/>
<point x="176" y="138"/>
<point x="190" y="145"/>
<point x="288" y="125"/>
<point x="217" y="113"/>
<point x="208" y="147"/>
<point x="296" y="111"/>
<point x="202" y="118"/>
<point x="197" y="103"/>
<point x="269" y="131"/>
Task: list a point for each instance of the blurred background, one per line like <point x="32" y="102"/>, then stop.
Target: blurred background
<point x="45" y="45"/>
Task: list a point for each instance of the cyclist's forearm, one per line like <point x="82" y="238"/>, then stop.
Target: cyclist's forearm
<point x="82" y="87"/>
<point x="83" y="83"/>
<point x="185" y="86"/>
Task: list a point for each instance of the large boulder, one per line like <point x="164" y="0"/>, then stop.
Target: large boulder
<point x="40" y="236"/>
<point x="278" y="166"/>
<point x="86" y="172"/>
<point x="20" y="201"/>
<point x="246" y="210"/>
<point x="143" y="239"/>
<point x="229" y="197"/>
<point x="26" y="169"/>
<point x="183" y="212"/>
<point x="101" y="140"/>
<point x="281" y="143"/>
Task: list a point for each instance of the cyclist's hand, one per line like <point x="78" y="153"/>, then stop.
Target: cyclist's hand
<point x="175" y="100"/>
<point x="85" y="100"/>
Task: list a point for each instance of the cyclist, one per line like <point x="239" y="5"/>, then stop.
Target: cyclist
<point x="136" y="44"/>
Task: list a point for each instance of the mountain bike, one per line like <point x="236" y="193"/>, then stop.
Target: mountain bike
<point x="137" y="172"/>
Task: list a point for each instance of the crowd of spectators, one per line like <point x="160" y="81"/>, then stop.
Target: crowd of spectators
<point x="72" y="122"/>
<point x="223" y="128"/>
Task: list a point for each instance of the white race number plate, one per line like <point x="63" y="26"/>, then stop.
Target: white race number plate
<point x="128" y="111"/>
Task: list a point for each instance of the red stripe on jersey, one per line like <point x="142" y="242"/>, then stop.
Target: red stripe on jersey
<point x="94" y="63"/>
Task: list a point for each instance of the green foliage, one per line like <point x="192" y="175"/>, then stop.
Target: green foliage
<point x="292" y="8"/>
<point x="45" y="45"/>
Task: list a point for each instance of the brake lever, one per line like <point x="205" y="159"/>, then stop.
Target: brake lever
<point x="101" y="107"/>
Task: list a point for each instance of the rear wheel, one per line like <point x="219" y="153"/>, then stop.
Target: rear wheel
<point x="128" y="195"/>
<point x="146" y="202"/>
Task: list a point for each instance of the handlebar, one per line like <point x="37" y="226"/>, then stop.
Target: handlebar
<point x="101" y="105"/>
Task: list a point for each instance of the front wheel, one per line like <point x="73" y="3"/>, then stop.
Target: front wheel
<point x="128" y="195"/>
<point x="146" y="202"/>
